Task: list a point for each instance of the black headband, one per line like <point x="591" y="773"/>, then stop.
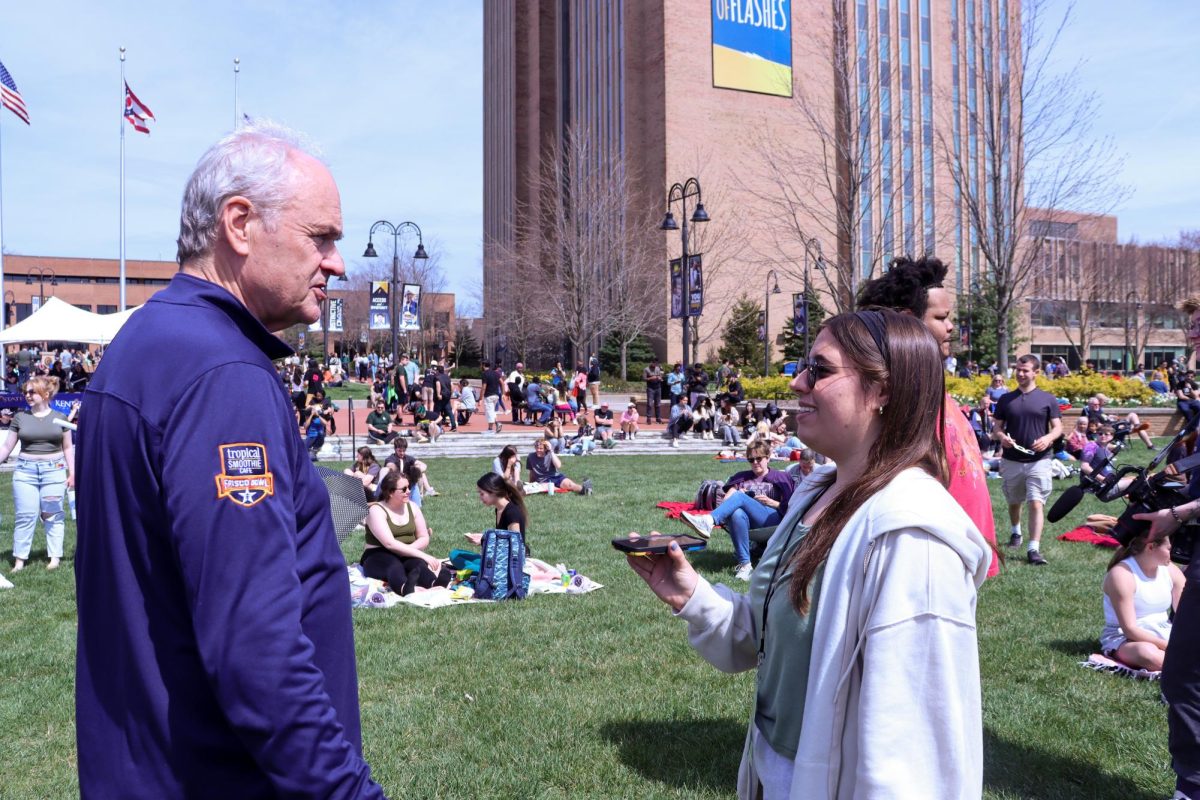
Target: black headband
<point x="873" y="319"/>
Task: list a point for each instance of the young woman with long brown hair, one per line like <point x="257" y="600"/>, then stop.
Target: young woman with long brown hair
<point x="860" y="617"/>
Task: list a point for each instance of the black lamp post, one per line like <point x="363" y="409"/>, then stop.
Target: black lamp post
<point x="681" y="192"/>
<point x="394" y="230"/>
<point x="771" y="276"/>
<point x="41" y="272"/>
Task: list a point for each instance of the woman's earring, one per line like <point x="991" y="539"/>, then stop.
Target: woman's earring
<point x="881" y="411"/>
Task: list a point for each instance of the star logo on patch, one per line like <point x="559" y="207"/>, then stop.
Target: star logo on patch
<point x="244" y="479"/>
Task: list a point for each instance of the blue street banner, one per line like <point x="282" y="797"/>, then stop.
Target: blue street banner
<point x="63" y="402"/>
<point x="799" y="314"/>
<point x="410" y="308"/>
<point x="378" y="312"/>
<point x="752" y="46"/>
<point x="695" y="286"/>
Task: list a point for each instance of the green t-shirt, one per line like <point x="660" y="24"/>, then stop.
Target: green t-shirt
<point x="782" y="678"/>
<point x="38" y="435"/>
<point x="379" y="419"/>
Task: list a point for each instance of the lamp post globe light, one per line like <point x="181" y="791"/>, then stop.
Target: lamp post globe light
<point x="771" y="276"/>
<point x="681" y="192"/>
<point x="395" y="230"/>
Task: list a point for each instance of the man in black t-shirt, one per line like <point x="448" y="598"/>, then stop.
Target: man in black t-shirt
<point x="441" y="397"/>
<point x="1027" y="422"/>
<point x="491" y="395"/>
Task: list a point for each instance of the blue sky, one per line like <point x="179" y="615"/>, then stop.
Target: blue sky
<point x="1143" y="59"/>
<point x="392" y="91"/>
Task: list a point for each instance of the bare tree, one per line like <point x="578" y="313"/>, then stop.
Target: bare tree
<point x="829" y="191"/>
<point x="577" y="264"/>
<point x="1083" y="284"/>
<point x="1028" y="156"/>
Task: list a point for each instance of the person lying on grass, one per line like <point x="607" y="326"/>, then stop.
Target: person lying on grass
<point x="860" y="618"/>
<point x="1141" y="588"/>
<point x="545" y="466"/>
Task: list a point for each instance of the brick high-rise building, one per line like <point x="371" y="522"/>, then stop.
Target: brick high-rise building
<point x="819" y="133"/>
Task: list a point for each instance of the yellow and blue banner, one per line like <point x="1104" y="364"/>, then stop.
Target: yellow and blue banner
<point x="752" y="46"/>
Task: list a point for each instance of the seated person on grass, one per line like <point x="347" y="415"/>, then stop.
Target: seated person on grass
<point x="754" y="498"/>
<point x="508" y="465"/>
<point x="381" y="428"/>
<point x="1140" y="589"/>
<point x="545" y="467"/>
<point x="400" y="461"/>
<point x="508" y="502"/>
<point x="1077" y="439"/>
<point x="396" y="540"/>
<point x="367" y="470"/>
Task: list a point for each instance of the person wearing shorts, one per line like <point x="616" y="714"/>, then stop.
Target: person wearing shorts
<point x="1026" y="423"/>
<point x="491" y="395"/>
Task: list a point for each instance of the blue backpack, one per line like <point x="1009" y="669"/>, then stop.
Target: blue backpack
<point x="502" y="566"/>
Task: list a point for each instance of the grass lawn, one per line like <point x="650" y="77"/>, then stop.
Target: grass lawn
<point x="600" y="695"/>
<point x="359" y="391"/>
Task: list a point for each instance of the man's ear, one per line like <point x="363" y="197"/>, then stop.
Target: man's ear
<point x="236" y="214"/>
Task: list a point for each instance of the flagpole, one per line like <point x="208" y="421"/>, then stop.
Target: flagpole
<point x="236" y="69"/>
<point x="121" y="307"/>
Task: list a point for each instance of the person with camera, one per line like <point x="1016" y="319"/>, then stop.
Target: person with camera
<point x="1181" y="663"/>
<point x="754" y="498"/>
<point x="1026" y="423"/>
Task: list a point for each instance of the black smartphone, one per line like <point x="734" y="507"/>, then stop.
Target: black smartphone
<point x="645" y="545"/>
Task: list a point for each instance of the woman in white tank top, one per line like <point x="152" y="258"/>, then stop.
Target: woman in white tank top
<point x="1140" y="588"/>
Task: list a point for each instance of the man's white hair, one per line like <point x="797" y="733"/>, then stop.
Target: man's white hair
<point x="251" y="162"/>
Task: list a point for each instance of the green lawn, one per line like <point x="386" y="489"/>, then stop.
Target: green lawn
<point x="600" y="695"/>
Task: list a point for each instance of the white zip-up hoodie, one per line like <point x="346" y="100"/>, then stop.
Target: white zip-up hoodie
<point x="892" y="706"/>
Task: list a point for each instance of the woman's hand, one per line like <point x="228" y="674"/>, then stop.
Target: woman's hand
<point x="669" y="576"/>
<point x="70" y="481"/>
<point x="474" y="538"/>
<point x="435" y="564"/>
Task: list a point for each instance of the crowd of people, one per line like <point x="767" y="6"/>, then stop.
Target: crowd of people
<point x="859" y="619"/>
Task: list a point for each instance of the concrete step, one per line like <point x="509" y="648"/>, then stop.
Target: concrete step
<point x="478" y="445"/>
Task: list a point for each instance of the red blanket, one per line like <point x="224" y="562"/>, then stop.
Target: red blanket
<point x="675" y="509"/>
<point x="1085" y="534"/>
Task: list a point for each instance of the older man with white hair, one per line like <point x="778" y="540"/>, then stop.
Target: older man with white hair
<point x="215" y="650"/>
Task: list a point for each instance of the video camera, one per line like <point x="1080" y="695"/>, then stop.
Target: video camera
<point x="1145" y="493"/>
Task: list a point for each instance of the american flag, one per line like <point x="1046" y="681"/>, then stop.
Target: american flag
<point x="136" y="112"/>
<point x="10" y="95"/>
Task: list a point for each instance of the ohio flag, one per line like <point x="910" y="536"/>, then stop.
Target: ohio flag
<point x="136" y="111"/>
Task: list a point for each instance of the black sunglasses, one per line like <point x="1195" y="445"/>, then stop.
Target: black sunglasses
<point x="816" y="370"/>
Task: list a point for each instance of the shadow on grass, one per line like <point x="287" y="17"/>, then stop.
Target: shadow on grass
<point x="698" y="753"/>
<point x="1076" y="647"/>
<point x="712" y="560"/>
<point x="1024" y="771"/>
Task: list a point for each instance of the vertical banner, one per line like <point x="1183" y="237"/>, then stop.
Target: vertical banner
<point x="752" y="46"/>
<point x="762" y="326"/>
<point x="300" y="339"/>
<point x="335" y="314"/>
<point x="676" y="288"/>
<point x="799" y="314"/>
<point x="379" y="306"/>
<point x="410" y="308"/>
<point x="695" y="286"/>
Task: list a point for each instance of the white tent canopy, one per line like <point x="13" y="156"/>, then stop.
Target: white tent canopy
<point x="59" y="321"/>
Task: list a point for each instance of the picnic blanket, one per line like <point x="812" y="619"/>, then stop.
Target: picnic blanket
<point x="1102" y="663"/>
<point x="544" y="579"/>
<point x="1085" y="534"/>
<point x="675" y="508"/>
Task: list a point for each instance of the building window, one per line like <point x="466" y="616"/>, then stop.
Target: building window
<point x="1053" y="230"/>
<point x="1053" y="313"/>
<point x="1151" y="358"/>
<point x="103" y="309"/>
<point x="1109" y="358"/>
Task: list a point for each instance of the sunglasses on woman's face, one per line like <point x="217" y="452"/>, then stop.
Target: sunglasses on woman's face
<point x="757" y="459"/>
<point x="403" y="489"/>
<point x="816" y="370"/>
